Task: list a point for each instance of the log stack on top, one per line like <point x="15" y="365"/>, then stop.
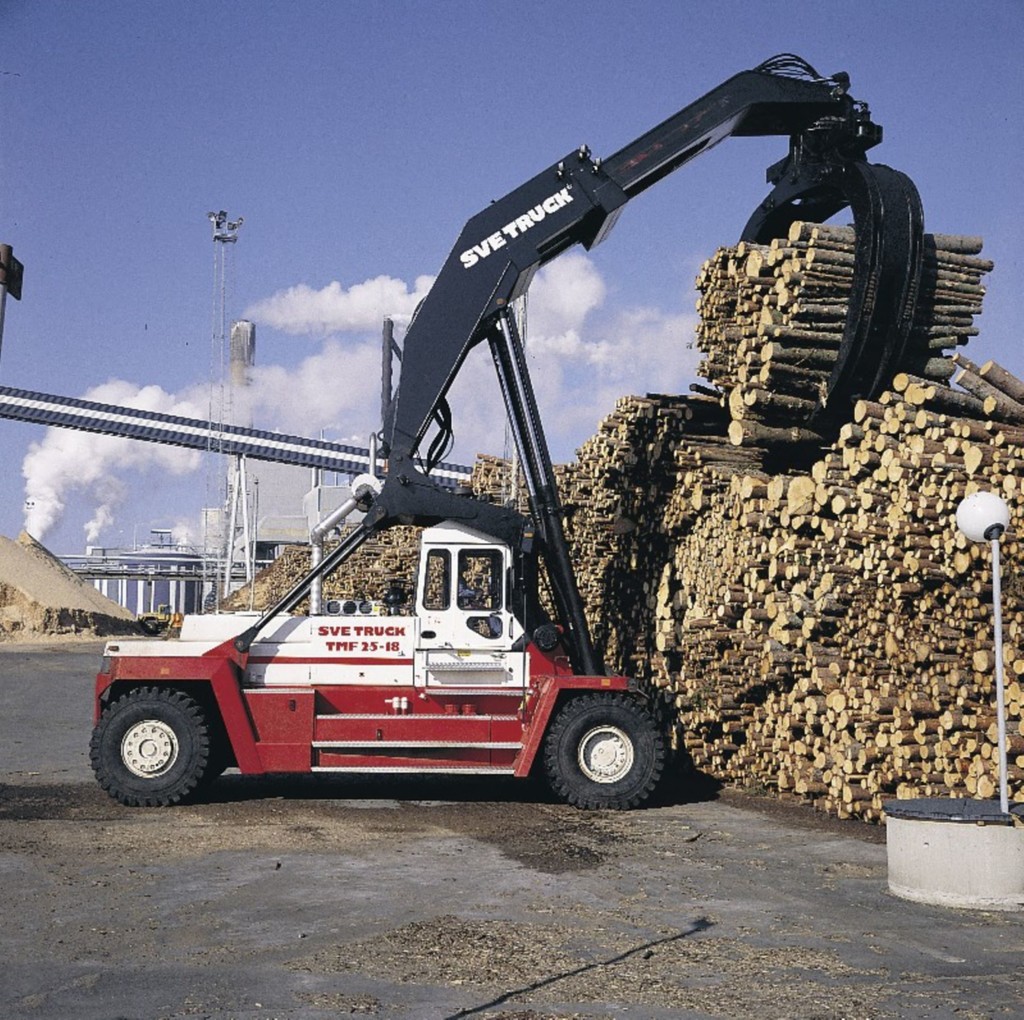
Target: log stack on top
<point x="772" y="319"/>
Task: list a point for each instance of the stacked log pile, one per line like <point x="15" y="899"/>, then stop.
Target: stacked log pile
<point x="367" y="575"/>
<point x="772" y="318"/>
<point x="826" y="634"/>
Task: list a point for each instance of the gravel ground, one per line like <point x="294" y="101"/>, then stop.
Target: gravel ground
<point x="420" y="899"/>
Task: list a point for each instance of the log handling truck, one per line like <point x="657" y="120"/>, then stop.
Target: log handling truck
<point x="477" y="678"/>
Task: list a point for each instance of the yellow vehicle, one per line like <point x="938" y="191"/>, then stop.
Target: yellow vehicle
<point x="158" y="620"/>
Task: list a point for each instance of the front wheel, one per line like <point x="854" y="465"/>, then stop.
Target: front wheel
<point x="151" y="748"/>
<point x="604" y="751"/>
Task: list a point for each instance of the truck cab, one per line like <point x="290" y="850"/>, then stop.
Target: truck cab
<point x="466" y="630"/>
<point x="458" y="629"/>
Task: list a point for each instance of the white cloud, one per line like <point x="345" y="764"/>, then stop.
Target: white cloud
<point x="337" y="388"/>
<point x="581" y="358"/>
<point x="581" y="361"/>
<point x="563" y="294"/>
<point x="336" y="309"/>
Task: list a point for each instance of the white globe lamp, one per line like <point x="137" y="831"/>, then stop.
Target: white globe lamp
<point x="983" y="516"/>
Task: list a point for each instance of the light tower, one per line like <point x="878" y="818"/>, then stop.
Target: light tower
<point x="225" y="234"/>
<point x="233" y="497"/>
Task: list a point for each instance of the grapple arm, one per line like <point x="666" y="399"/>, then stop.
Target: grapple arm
<point x="576" y="201"/>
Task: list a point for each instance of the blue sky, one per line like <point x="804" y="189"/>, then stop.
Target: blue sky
<point x="356" y="139"/>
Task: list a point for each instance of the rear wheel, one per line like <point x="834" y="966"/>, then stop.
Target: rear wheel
<point x="604" y="751"/>
<point x="151" y="748"/>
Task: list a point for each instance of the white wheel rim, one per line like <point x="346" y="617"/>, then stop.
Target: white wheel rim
<point x="605" y="754"/>
<point x="149" y="749"/>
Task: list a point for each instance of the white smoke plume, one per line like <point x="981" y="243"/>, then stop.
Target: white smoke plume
<point x="111" y="491"/>
<point x="183" y="533"/>
<point x="67" y="462"/>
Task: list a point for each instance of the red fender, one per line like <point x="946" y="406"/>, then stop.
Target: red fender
<point x="222" y="668"/>
<point x="541" y="701"/>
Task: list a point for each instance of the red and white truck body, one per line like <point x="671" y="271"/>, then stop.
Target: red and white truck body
<point x="453" y="686"/>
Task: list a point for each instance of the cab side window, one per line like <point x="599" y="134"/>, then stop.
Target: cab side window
<point x="479" y="590"/>
<point x="480" y="579"/>
<point x="437" y="583"/>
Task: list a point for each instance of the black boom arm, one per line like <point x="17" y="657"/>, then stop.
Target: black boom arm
<point x="576" y="201"/>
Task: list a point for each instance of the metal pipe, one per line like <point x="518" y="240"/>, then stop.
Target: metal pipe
<point x="229" y="552"/>
<point x="348" y="545"/>
<point x="246" y="536"/>
<point x="387" y="354"/>
<point x="6" y="258"/>
<point x="3" y="303"/>
<point x="528" y="433"/>
<point x="317" y="535"/>
<point x="1004" y="797"/>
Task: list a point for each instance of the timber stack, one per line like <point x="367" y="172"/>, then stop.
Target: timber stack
<point x="772" y="319"/>
<point x="826" y="631"/>
<point x="388" y="558"/>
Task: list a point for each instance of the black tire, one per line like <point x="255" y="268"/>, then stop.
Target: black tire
<point x="604" y="751"/>
<point x="151" y="627"/>
<point x="151" y="748"/>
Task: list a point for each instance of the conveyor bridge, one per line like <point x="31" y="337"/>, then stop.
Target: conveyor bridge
<point x="197" y="434"/>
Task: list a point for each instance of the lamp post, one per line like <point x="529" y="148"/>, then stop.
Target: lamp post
<point x="984" y="517"/>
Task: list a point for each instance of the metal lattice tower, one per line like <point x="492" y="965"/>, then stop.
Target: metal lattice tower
<point x="225" y="236"/>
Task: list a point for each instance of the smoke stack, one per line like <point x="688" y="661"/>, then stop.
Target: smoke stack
<point x="242" y="357"/>
<point x="243" y="351"/>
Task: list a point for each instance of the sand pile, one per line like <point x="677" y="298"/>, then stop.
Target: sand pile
<point x="39" y="596"/>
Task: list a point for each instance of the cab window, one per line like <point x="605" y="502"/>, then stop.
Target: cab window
<point x="480" y="573"/>
<point x="437" y="580"/>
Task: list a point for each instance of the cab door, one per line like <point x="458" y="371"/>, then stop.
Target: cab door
<point x="467" y="631"/>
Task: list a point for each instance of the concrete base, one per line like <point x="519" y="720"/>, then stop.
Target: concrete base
<point x="941" y="853"/>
